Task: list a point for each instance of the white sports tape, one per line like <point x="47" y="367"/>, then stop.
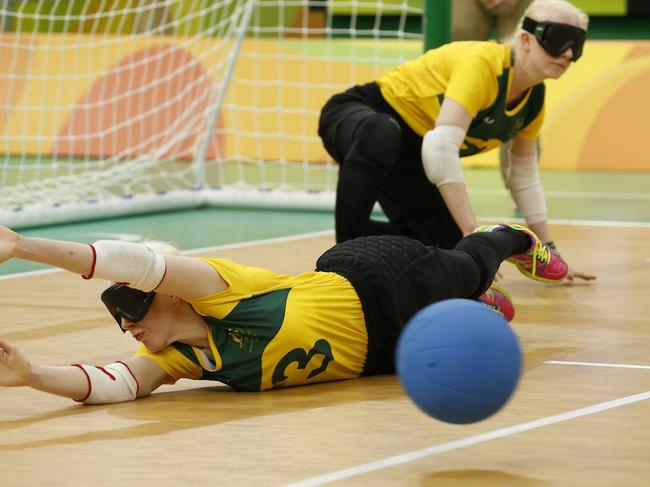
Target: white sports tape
<point x="135" y="265"/>
<point x="112" y="383"/>
<point x="441" y="154"/>
<point x="526" y="188"/>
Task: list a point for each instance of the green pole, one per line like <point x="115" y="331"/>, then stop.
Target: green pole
<point x="437" y="23"/>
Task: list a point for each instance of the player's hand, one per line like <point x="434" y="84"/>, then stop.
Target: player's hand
<point x="500" y="7"/>
<point x="498" y="276"/>
<point x="574" y="274"/>
<point x="8" y="239"/>
<point x="15" y="369"/>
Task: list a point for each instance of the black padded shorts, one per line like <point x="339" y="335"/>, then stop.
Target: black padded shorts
<point x="395" y="277"/>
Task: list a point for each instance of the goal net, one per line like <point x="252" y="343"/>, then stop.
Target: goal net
<point x="113" y="107"/>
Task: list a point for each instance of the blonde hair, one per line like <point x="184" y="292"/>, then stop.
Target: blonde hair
<point x="540" y="10"/>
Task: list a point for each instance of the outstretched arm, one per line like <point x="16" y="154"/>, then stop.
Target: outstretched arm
<point x="441" y="161"/>
<point x="71" y="256"/>
<point x="528" y="193"/>
<point x="526" y="188"/>
<point x="117" y="382"/>
<point x="125" y="262"/>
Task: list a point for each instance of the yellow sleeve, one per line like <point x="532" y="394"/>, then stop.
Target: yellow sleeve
<point x="243" y="282"/>
<point x="238" y="279"/>
<point x="473" y="84"/>
<point x="531" y="131"/>
<point x="247" y="280"/>
<point x="173" y="362"/>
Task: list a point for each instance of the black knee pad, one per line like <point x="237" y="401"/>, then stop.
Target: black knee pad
<point x="378" y="138"/>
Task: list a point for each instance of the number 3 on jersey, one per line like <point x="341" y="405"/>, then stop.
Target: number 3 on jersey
<point x="302" y="357"/>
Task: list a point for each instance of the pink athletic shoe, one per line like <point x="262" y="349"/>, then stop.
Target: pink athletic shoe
<point x="540" y="262"/>
<point x="499" y="300"/>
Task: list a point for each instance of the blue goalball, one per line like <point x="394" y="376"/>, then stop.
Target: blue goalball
<point x="458" y="360"/>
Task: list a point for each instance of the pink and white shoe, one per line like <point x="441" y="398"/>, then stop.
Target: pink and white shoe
<point x="540" y="262"/>
<point x="499" y="300"/>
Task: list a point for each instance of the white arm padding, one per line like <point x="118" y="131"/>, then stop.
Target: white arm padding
<point x="112" y="383"/>
<point x="526" y="188"/>
<point x="441" y="154"/>
<point x="135" y="265"/>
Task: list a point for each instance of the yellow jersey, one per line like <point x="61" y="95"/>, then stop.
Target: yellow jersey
<point x="273" y="330"/>
<point x="477" y="75"/>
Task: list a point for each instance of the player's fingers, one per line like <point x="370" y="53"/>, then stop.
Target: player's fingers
<point x="6" y="350"/>
<point x="573" y="275"/>
<point x="583" y="275"/>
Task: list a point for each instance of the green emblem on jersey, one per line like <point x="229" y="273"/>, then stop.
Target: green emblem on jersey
<point x="303" y="358"/>
<point x="241" y="338"/>
<point x="496" y="124"/>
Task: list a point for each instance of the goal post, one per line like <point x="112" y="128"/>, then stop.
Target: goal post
<point x="115" y="107"/>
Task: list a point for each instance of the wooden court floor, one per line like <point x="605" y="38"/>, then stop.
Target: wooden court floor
<point x="580" y="416"/>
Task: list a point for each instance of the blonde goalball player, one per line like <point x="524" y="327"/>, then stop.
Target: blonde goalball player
<point x="398" y="140"/>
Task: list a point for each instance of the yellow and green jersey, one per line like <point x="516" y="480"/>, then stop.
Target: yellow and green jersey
<point x="273" y="330"/>
<point x="477" y="75"/>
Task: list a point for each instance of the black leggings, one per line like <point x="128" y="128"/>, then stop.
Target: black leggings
<point x="380" y="160"/>
<point x="396" y="276"/>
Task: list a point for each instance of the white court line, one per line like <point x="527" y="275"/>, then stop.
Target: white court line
<point x="582" y="223"/>
<point x="570" y="194"/>
<point x="29" y="273"/>
<point x="599" y="223"/>
<point x="249" y="243"/>
<point x="462" y="443"/>
<point x="598" y="364"/>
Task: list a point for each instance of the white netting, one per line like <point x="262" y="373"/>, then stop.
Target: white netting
<point x="118" y="106"/>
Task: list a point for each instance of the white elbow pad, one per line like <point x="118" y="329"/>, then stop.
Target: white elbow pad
<point x="526" y="188"/>
<point x="112" y="383"/>
<point x="441" y="154"/>
<point x="135" y="265"/>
